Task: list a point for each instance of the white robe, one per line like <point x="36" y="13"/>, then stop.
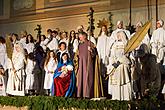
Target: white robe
<point x="158" y="44"/>
<point x="30" y="75"/>
<point x="2" y="85"/>
<point x="29" y="47"/>
<point x="23" y="42"/>
<point x="51" y="66"/>
<point x="103" y="48"/>
<point x="75" y="45"/>
<point x="15" y="84"/>
<point x="114" y="33"/>
<point x="3" y="56"/>
<point x="53" y="44"/>
<point x="65" y="40"/>
<point x="42" y="44"/>
<point x="119" y="84"/>
<point x="163" y="90"/>
<point x="92" y="39"/>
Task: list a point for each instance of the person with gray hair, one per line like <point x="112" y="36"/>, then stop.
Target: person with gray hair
<point x="119" y="83"/>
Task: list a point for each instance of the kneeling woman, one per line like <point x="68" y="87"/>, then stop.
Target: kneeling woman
<point x="64" y="78"/>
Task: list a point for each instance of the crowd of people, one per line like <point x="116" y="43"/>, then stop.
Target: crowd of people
<point x="83" y="66"/>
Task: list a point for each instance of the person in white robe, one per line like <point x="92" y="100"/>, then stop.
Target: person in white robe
<point x="103" y="53"/>
<point x="32" y="68"/>
<point x="15" y="84"/>
<point x="62" y="49"/>
<point x="103" y="45"/>
<point x="73" y="44"/>
<point x="42" y="43"/>
<point x="29" y="46"/>
<point x="120" y="27"/>
<point x="48" y="39"/>
<point x="158" y="42"/>
<point x="146" y="39"/>
<point x="50" y="67"/>
<point x="64" y="38"/>
<point x="14" y="39"/>
<point x="119" y="84"/>
<point x="135" y="65"/>
<point x="2" y="82"/>
<point x="23" y="38"/>
<point x="53" y="45"/>
<point x="3" y="54"/>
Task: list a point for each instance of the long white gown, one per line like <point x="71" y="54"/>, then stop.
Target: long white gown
<point x="158" y="44"/>
<point x="15" y="84"/>
<point x="30" y="75"/>
<point x="3" y="56"/>
<point x="49" y="72"/>
<point x="103" y="47"/>
<point x="119" y="84"/>
<point x="2" y="85"/>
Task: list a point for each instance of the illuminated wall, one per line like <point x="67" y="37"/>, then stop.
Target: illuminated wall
<point x="26" y="14"/>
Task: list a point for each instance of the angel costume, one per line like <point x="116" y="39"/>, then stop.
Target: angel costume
<point x="15" y="84"/>
<point x="49" y="69"/>
<point x="119" y="85"/>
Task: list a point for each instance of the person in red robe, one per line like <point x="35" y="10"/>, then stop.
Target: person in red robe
<point x="64" y="78"/>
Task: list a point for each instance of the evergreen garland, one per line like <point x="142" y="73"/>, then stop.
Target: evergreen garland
<point x="55" y="103"/>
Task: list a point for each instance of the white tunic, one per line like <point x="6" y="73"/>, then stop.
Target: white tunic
<point x="30" y="75"/>
<point x="75" y="45"/>
<point x="42" y="44"/>
<point x="119" y="83"/>
<point x="163" y="90"/>
<point x="53" y="44"/>
<point x="3" y="56"/>
<point x="15" y="84"/>
<point x="114" y="33"/>
<point x="2" y="85"/>
<point x="103" y="47"/>
<point x="92" y="39"/>
<point x="158" y="43"/>
<point x="29" y="47"/>
<point x="65" y="40"/>
<point x="49" y="72"/>
<point x="23" y="41"/>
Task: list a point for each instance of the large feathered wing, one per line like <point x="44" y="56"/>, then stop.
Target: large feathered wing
<point x="135" y="40"/>
<point x="9" y="48"/>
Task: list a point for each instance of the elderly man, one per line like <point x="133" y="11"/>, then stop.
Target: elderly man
<point x="85" y="75"/>
<point x="158" y="41"/>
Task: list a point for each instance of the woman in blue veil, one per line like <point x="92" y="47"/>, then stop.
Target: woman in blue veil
<point x="64" y="78"/>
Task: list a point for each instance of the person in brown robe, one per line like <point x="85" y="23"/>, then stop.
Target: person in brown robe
<point x="85" y="75"/>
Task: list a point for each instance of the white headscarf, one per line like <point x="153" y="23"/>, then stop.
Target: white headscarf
<point x="139" y="24"/>
<point x="119" y="22"/>
<point x="161" y="22"/>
